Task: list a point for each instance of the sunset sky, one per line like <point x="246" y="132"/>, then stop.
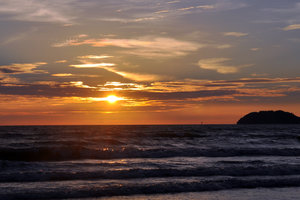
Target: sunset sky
<point x="160" y="61"/>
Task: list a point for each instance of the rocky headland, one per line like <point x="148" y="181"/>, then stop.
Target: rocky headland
<point x="270" y="117"/>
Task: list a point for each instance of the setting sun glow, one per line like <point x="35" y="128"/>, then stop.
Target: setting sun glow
<point x="113" y="99"/>
<point x="147" y="62"/>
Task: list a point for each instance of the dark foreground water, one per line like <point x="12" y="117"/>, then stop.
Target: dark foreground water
<point x="150" y="162"/>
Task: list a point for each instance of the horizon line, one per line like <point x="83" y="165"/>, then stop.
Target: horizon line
<point x="108" y="124"/>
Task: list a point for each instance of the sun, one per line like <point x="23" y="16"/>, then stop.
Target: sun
<point x="112" y="99"/>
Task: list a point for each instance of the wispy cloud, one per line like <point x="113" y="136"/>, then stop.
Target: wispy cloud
<point x="62" y="75"/>
<point x="91" y="62"/>
<point x="22" y="68"/>
<point x="38" y="11"/>
<point x="125" y="11"/>
<point x="118" y="86"/>
<point x="18" y="36"/>
<point x="179" y="8"/>
<point x="80" y="84"/>
<point x="221" y="46"/>
<point x="204" y="7"/>
<point x="292" y="27"/>
<point x="8" y="80"/>
<point x="94" y="57"/>
<point x="287" y="13"/>
<point x="186" y="8"/>
<point x="235" y="34"/>
<point x="93" y="65"/>
<point x="224" y="5"/>
<point x="176" y="1"/>
<point x="195" y="85"/>
<point x="177" y="93"/>
<point x="7" y="72"/>
<point x="260" y="80"/>
<point x="139" y="77"/>
<point x="128" y="11"/>
<point x="255" y="49"/>
<point x="129" y="75"/>
<point x="289" y="8"/>
<point x="219" y="65"/>
<point x="130" y="20"/>
<point x="149" y="46"/>
<point x="70" y="41"/>
<point x="61" y="61"/>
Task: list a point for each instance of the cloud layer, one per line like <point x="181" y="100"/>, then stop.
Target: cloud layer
<point x="38" y="11"/>
<point x="158" y="56"/>
<point x="219" y="65"/>
<point x="148" y="46"/>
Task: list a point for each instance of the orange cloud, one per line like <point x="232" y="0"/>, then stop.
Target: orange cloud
<point x="22" y="68"/>
<point x="235" y="34"/>
<point x="61" y="61"/>
<point x="93" y="65"/>
<point x="139" y="77"/>
<point x="217" y="64"/>
<point x="292" y="27"/>
<point x="146" y="46"/>
<point x="62" y="75"/>
<point x="94" y="57"/>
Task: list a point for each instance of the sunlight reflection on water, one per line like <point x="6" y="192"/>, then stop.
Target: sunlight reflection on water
<point x="245" y="194"/>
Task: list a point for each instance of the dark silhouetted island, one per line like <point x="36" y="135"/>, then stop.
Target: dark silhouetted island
<point x="270" y="117"/>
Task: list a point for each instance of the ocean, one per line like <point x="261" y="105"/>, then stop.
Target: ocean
<point x="207" y="162"/>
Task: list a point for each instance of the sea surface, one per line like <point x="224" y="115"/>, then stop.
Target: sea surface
<point x="208" y="162"/>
